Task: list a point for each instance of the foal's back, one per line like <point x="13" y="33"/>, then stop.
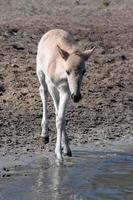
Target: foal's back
<point x="47" y="48"/>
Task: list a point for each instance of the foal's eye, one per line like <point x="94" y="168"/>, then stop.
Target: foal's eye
<point x="83" y="72"/>
<point x="68" y="72"/>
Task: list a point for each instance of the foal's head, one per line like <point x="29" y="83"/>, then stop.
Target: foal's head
<point x="75" y="69"/>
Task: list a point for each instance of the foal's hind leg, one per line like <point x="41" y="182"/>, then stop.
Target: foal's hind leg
<point x="44" y="95"/>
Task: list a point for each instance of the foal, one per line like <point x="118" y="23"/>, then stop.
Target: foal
<point x="60" y="69"/>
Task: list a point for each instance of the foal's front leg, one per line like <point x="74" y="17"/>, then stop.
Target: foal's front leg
<point x="65" y="143"/>
<point x="60" y="120"/>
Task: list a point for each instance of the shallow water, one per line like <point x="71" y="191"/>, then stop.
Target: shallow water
<point x="85" y="176"/>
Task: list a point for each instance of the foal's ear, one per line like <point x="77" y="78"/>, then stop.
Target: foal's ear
<point x="87" y="53"/>
<point x="64" y="54"/>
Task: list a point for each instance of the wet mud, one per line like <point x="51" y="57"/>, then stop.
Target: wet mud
<point x="95" y="175"/>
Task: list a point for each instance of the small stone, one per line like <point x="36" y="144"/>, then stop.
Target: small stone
<point x="123" y="57"/>
<point x="18" y="47"/>
<point x="8" y="175"/>
<point x="3" y="175"/>
<point x="2" y="88"/>
<point x="15" y="66"/>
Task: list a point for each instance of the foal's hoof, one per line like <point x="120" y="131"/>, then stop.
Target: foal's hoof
<point x="69" y="154"/>
<point x="45" y="139"/>
<point x="59" y="162"/>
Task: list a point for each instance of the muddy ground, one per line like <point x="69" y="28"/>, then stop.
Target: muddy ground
<point x="105" y="113"/>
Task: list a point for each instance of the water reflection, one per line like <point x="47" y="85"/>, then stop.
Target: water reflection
<point x="94" y="176"/>
<point x="48" y="183"/>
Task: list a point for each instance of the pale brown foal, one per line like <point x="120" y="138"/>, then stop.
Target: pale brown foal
<point x="60" y="69"/>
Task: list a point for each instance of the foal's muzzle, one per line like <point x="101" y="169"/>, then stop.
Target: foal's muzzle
<point x="76" y="98"/>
